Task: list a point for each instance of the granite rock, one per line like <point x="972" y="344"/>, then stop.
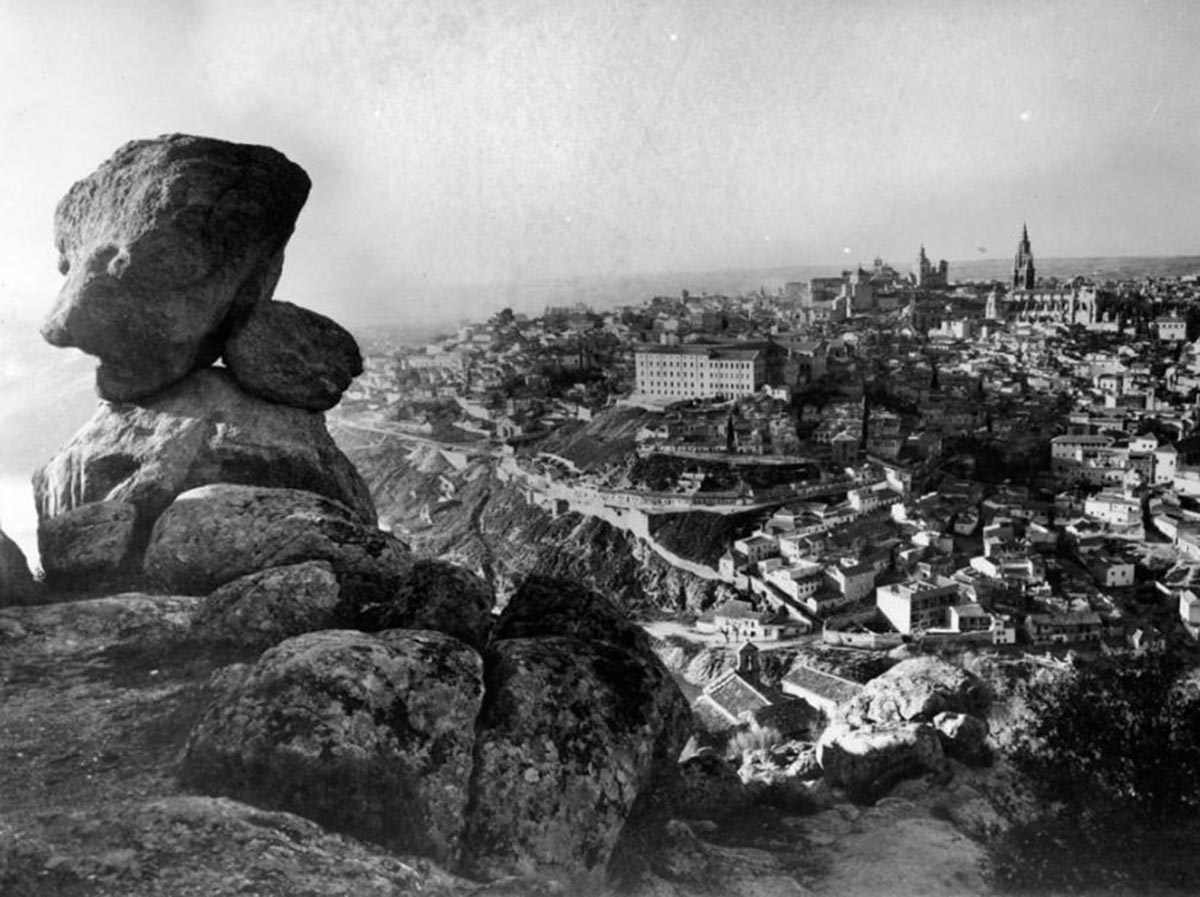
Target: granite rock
<point x="162" y="245"/>
<point x="287" y="354"/>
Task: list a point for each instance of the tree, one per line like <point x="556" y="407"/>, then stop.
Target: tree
<point x="1120" y="736"/>
<point x="1114" y="749"/>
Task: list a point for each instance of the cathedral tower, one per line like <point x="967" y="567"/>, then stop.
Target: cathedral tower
<point x="1023" y="273"/>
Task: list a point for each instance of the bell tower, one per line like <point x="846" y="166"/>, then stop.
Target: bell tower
<point x="1023" y="274"/>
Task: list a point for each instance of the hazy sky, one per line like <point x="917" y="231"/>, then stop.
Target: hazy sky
<point x="510" y="141"/>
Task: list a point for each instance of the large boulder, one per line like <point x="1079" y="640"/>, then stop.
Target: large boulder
<point x="581" y="726"/>
<point x="215" y="534"/>
<point x="371" y="735"/>
<point x="265" y="608"/>
<point x="17" y="585"/>
<point x="786" y="775"/>
<point x="161" y="246"/>
<point x="287" y="354"/>
<point x="867" y="762"/>
<point x="436" y="595"/>
<point x="90" y="546"/>
<point x="917" y="690"/>
<point x="203" y="430"/>
<point x="543" y="606"/>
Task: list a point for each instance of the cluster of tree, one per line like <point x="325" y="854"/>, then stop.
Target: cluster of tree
<point x="1114" y="750"/>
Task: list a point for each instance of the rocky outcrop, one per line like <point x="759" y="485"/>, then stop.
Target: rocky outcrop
<point x="133" y="620"/>
<point x="886" y="732"/>
<point x="371" y="735"/>
<point x="202" y="430"/>
<point x="265" y="608"/>
<point x="161" y="246"/>
<point x="440" y="596"/>
<point x="867" y="762"/>
<point x="287" y="354"/>
<point x="225" y="485"/>
<point x="170" y="248"/>
<point x="17" y="585"/>
<point x="579" y="722"/>
<point x="215" y="534"/>
<point x="89" y="546"/>
<point x="543" y="608"/>
<point x="963" y="737"/>
<point x="182" y="845"/>
<point x="917" y="689"/>
<point x="502" y="537"/>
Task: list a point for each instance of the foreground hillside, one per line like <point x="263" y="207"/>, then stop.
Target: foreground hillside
<point x="98" y="701"/>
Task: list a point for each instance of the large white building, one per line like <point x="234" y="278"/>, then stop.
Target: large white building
<point x="917" y="605"/>
<point x="697" y="372"/>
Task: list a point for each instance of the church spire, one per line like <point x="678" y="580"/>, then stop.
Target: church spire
<point x="1024" y="276"/>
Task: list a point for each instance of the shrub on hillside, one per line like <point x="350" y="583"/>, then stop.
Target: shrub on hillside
<point x="1114" y="749"/>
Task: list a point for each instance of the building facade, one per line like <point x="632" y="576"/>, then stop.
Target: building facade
<point x="677" y="373"/>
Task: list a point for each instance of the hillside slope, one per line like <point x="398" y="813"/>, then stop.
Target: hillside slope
<point x="489" y="527"/>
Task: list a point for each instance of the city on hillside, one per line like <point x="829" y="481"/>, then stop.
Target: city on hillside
<point x="896" y="456"/>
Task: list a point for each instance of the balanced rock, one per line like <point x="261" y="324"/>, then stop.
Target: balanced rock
<point x="916" y="689"/>
<point x="371" y="735"/>
<point x="867" y="762"/>
<point x="265" y="608"/>
<point x="90" y="546"/>
<point x="17" y="585"/>
<point x="202" y="430"/>
<point x="215" y="534"/>
<point x="287" y="354"/>
<point x="160" y="246"/>
<point x="574" y="736"/>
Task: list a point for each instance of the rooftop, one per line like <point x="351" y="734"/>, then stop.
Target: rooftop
<point x="822" y="684"/>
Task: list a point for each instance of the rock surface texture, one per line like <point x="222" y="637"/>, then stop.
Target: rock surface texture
<point x="262" y="609"/>
<point x="441" y="596"/>
<point x="215" y="534"/>
<point x="917" y="690"/>
<point x="580" y="720"/>
<point x="905" y="722"/>
<point x="866" y="762"/>
<point x="287" y="354"/>
<point x="371" y="735"/>
<point x="202" y="430"/>
<point x="17" y="585"/>
<point x="89" y="545"/>
<point x="160" y="245"/>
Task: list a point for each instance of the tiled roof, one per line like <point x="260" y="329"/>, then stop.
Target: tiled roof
<point x="823" y="685"/>
<point x="735" y="695"/>
<point x="786" y="717"/>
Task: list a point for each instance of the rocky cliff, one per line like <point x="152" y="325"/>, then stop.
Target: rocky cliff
<point x="486" y="525"/>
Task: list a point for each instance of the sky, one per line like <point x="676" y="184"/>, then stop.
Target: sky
<point x="507" y="143"/>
